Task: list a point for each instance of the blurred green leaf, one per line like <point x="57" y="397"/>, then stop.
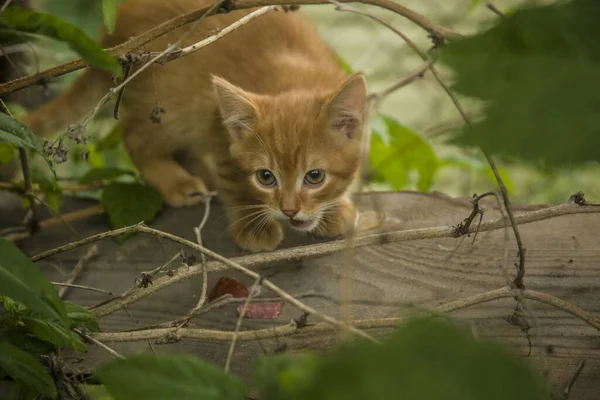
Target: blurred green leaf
<point x="32" y="21"/>
<point x="100" y="174"/>
<point x="13" y="131"/>
<point x="26" y="341"/>
<point x="23" y="282"/>
<point x="406" y="152"/>
<point x="283" y="376"/>
<point x="130" y="203"/>
<point x="344" y="65"/>
<point x="50" y="187"/>
<point x="53" y="332"/>
<point x="425" y="359"/>
<point x="110" y="141"/>
<point x="7" y="152"/>
<point x="536" y="71"/>
<point x="81" y="317"/>
<point x="109" y="12"/>
<point x="180" y="377"/>
<point x="97" y="392"/>
<point x="12" y="390"/>
<point x="23" y="367"/>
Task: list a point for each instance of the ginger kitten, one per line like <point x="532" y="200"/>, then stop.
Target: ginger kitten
<point x="264" y="115"/>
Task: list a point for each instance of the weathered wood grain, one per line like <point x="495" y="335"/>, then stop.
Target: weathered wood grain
<point x="563" y="259"/>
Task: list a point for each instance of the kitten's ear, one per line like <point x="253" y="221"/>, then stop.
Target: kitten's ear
<point x="237" y="110"/>
<point x="346" y="107"/>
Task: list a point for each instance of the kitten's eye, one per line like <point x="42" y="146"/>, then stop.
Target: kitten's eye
<point x="265" y="177"/>
<point x="314" y="177"/>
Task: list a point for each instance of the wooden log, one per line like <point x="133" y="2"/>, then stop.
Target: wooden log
<point x="563" y="260"/>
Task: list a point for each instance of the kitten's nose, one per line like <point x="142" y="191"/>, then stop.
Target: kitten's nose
<point x="290" y="213"/>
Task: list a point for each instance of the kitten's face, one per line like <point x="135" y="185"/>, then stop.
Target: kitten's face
<point x="299" y="152"/>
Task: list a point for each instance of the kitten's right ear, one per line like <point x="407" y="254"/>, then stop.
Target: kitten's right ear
<point x="237" y="111"/>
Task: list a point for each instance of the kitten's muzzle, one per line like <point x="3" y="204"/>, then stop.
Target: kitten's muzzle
<point x="290" y="213"/>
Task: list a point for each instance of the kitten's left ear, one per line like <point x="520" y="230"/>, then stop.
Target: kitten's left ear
<point x="237" y="110"/>
<point x="346" y="107"/>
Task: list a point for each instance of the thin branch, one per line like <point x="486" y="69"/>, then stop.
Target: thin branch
<point x="35" y="188"/>
<point x="97" y="342"/>
<point x="321" y="249"/>
<point x="495" y="9"/>
<point x="169" y="54"/>
<point x="90" y="254"/>
<point x="292" y="328"/>
<point x="253" y="291"/>
<point x="410" y="78"/>
<point x="174" y="54"/>
<point x="93" y="289"/>
<point x="567" y="391"/>
<point x="141" y="40"/>
<point x="54" y="222"/>
<point x="198" y="233"/>
<point x="6" y="4"/>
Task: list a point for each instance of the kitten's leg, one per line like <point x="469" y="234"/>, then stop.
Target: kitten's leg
<point x="152" y="153"/>
<point x="341" y="219"/>
<point x="253" y="228"/>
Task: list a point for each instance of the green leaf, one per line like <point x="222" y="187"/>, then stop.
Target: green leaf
<point x="50" y="187"/>
<point x="7" y="152"/>
<point x="536" y="74"/>
<point x="130" y="203"/>
<point x="32" y="21"/>
<point x="23" y="282"/>
<point x="280" y="376"/>
<point x="424" y="359"/>
<point x="109" y="12"/>
<point x="12" y="390"/>
<point x="26" y="341"/>
<point x="396" y="151"/>
<point x="99" y="174"/>
<point x="81" y="317"/>
<point x="13" y="131"/>
<point x="23" y="367"/>
<point x="53" y="332"/>
<point x="161" y="377"/>
<point x="110" y="141"/>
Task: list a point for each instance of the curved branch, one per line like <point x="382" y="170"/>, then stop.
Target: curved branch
<point x="141" y="40"/>
<point x="295" y="252"/>
<point x="290" y="329"/>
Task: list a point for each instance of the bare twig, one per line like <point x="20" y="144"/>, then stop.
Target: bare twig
<point x="90" y="254"/>
<point x="253" y="291"/>
<point x="6" y="4"/>
<point x="95" y="341"/>
<point x="37" y="189"/>
<point x="174" y="54"/>
<point x="495" y="9"/>
<point x="297" y="252"/>
<point x="93" y="289"/>
<point x="464" y="227"/>
<point x="567" y="391"/>
<point x="445" y="307"/>
<point x="198" y="233"/>
<point x="410" y="78"/>
<point x="166" y="27"/>
<point x="53" y="222"/>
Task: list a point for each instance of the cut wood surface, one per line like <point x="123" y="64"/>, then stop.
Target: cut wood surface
<point x="563" y="260"/>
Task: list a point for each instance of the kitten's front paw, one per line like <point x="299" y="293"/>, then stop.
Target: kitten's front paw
<point x="183" y="193"/>
<point x="258" y="238"/>
<point x="339" y="221"/>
